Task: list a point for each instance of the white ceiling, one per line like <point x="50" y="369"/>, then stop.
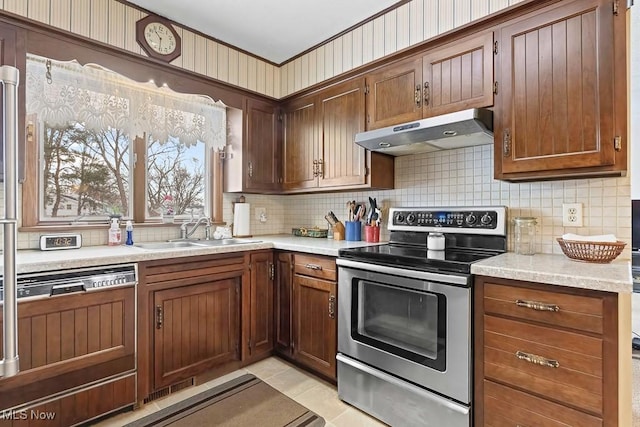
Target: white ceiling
<point x="275" y="30"/>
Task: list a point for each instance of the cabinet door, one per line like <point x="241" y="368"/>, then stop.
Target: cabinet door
<point x="63" y="338"/>
<point x="196" y="328"/>
<point x="262" y="147"/>
<point x="300" y="145"/>
<point x="556" y="91"/>
<point x="261" y="325"/>
<point x="315" y="324"/>
<point x="343" y="162"/>
<point x="394" y="94"/>
<point x="283" y="311"/>
<point x="458" y="76"/>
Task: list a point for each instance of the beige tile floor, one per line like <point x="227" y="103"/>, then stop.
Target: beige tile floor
<point x="304" y="388"/>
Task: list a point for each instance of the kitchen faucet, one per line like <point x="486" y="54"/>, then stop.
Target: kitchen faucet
<point x="185" y="233"/>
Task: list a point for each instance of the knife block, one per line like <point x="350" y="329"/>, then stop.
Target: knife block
<point x="338" y="231"/>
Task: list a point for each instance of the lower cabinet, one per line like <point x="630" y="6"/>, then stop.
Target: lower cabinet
<point x="196" y="328"/>
<point x="189" y="318"/>
<point x="306" y="312"/>
<point x="258" y="302"/>
<point x="545" y="355"/>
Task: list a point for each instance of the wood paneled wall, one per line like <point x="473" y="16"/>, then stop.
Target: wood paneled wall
<point x="112" y="22"/>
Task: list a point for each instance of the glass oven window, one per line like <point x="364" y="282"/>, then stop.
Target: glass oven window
<point x="405" y="322"/>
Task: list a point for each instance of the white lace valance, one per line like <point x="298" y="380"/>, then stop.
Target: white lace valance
<point x="100" y="99"/>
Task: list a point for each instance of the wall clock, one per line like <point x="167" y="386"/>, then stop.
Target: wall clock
<point x="158" y="38"/>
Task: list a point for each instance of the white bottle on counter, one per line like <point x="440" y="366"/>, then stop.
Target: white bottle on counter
<point x="115" y="235"/>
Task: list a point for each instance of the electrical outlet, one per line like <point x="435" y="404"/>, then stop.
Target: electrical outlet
<point x="261" y="214"/>
<point x="572" y="214"/>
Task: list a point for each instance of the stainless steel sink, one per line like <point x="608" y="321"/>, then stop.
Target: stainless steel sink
<point x="224" y="242"/>
<point x="193" y="243"/>
<point x="165" y="245"/>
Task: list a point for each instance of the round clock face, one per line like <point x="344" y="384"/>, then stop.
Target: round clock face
<point x="160" y="38"/>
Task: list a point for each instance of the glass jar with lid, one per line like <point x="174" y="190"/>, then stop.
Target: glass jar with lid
<point x="525" y="235"/>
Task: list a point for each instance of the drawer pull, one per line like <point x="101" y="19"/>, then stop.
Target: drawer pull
<point x="540" y="306"/>
<point x="313" y="266"/>
<point x="538" y="360"/>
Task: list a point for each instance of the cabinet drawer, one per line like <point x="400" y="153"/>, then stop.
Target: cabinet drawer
<point x="564" y="366"/>
<point x="584" y="313"/>
<point x="504" y="406"/>
<point x="315" y="266"/>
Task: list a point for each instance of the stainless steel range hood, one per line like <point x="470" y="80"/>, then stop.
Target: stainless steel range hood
<point x="460" y="129"/>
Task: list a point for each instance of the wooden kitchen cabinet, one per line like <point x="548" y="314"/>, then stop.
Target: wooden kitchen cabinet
<point x="260" y="307"/>
<point x="544" y="355"/>
<point x="315" y="305"/>
<point x="253" y="164"/>
<point x="319" y="148"/>
<point x="195" y="329"/>
<point x="306" y="311"/>
<point x="283" y="302"/>
<point x="67" y="342"/>
<point x="394" y="94"/>
<point x="300" y="144"/>
<point x="452" y="77"/>
<point x="561" y="103"/>
<point x="458" y="76"/>
<point x="189" y="318"/>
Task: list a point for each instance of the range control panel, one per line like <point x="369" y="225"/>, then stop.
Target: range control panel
<point x="480" y="220"/>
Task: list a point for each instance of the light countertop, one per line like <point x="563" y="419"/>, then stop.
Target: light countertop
<point x="543" y="268"/>
<point x="28" y="261"/>
<point x="558" y="270"/>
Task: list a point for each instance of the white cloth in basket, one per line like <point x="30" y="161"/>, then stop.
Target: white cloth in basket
<point x="602" y="238"/>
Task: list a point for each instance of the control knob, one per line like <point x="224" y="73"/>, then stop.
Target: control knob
<point x="471" y="219"/>
<point x="411" y="218"/>
<point x="485" y="219"/>
<point x="399" y="218"/>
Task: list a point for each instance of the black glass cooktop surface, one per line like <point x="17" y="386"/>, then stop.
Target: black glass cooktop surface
<point x="418" y="258"/>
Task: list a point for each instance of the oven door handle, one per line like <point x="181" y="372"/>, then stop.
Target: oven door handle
<point x="405" y="272"/>
<point x="410" y="387"/>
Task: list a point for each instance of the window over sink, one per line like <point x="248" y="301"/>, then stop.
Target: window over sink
<point x="105" y="142"/>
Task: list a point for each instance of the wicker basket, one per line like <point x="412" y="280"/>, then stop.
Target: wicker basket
<point x="598" y="252"/>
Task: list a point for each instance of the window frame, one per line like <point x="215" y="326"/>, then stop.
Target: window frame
<point x="65" y="47"/>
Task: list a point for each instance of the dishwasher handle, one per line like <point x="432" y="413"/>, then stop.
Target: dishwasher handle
<point x="68" y="288"/>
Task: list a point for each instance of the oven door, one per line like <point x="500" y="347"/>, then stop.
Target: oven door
<point x="412" y="324"/>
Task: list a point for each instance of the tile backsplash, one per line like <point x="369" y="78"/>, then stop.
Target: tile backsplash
<point x="460" y="177"/>
<point x="463" y="177"/>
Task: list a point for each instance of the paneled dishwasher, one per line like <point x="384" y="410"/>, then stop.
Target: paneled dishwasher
<point x="76" y="334"/>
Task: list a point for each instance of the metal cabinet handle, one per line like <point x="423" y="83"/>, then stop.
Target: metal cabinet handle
<point x="313" y="266"/>
<point x="321" y="168"/>
<point x="506" y="143"/>
<point x="417" y="96"/>
<point x="315" y="169"/>
<point x="332" y="306"/>
<point x="159" y="317"/>
<point x="250" y="169"/>
<point x="427" y="93"/>
<point x="537" y="360"/>
<point x="539" y="306"/>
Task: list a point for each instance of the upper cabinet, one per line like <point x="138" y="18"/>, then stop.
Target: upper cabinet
<point x="449" y="78"/>
<point x="561" y="105"/>
<point x="394" y="94"/>
<point x="458" y="76"/>
<point x="254" y="165"/>
<point x="319" y="152"/>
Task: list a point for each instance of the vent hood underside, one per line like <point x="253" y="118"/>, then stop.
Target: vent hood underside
<point x="448" y="131"/>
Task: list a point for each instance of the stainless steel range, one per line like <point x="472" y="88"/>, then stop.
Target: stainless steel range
<point x="404" y="315"/>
